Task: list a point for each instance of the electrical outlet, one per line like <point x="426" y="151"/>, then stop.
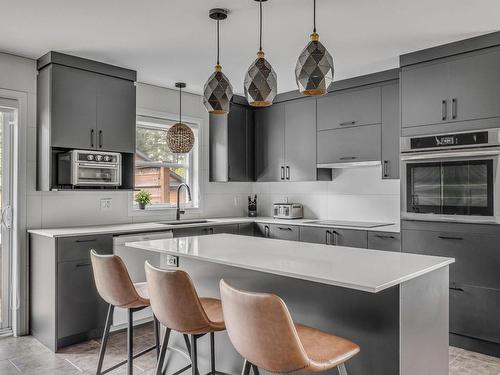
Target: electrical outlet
<point x="106" y="204"/>
<point x="172" y="260"/>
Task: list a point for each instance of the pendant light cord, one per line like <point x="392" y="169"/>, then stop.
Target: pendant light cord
<point x="260" y="21"/>
<point x="314" y="15"/>
<point x="218" y="43"/>
<point x="180" y="105"/>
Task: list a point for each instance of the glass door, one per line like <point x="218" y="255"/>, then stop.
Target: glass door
<point x="8" y="118"/>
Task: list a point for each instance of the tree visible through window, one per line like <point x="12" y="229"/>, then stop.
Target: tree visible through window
<point x="157" y="169"/>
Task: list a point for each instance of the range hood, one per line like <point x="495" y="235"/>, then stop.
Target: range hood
<point x="350" y="164"/>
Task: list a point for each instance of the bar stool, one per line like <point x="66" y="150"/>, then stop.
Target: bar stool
<point x="261" y="329"/>
<point x="117" y="289"/>
<point x="176" y="305"/>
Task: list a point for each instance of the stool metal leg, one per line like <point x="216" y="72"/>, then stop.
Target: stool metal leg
<point x="163" y="351"/>
<point x="212" y="353"/>
<point x="342" y="370"/>
<point x="130" y="343"/>
<point x="255" y="369"/>
<point x="105" y="337"/>
<point x="246" y="368"/>
<point x="157" y="335"/>
<point x="194" y="355"/>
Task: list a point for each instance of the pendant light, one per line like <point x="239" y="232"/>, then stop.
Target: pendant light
<point x="218" y="91"/>
<point x="260" y="81"/>
<point x="180" y="137"/>
<point x="314" y="69"/>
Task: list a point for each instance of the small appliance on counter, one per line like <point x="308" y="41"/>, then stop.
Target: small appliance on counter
<point x="252" y="206"/>
<point x="287" y="211"/>
<point x="89" y="168"/>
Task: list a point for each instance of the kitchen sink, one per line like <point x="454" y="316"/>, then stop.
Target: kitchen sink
<point x="183" y="222"/>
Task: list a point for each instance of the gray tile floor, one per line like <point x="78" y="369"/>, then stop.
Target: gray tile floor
<point x="27" y="356"/>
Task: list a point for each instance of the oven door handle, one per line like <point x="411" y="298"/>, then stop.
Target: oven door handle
<point x="107" y="166"/>
<point x="450" y="154"/>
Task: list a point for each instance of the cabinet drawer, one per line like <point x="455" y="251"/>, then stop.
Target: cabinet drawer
<point x="384" y="241"/>
<point x="78" y="248"/>
<point x="349" y="237"/>
<point x="355" y="144"/>
<point x="474" y="312"/>
<point x="284" y="232"/>
<point x="477" y="257"/>
<point x="187" y="232"/>
<point x="350" y="108"/>
<point x="315" y="235"/>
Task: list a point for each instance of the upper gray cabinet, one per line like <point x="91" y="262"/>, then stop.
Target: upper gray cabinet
<point x="391" y="131"/>
<point x="231" y="145"/>
<point x="350" y="108"/>
<point x="285" y="142"/>
<point x="455" y="89"/>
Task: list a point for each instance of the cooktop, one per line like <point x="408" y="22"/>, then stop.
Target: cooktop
<point x="347" y="223"/>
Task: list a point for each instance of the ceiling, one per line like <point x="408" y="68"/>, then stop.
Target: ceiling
<point x="170" y="40"/>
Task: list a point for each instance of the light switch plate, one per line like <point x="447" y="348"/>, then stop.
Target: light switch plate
<point x="172" y="260"/>
<point x="106" y="204"/>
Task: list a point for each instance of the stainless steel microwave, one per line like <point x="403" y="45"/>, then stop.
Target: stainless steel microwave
<point x="89" y="168"/>
<point x="451" y="174"/>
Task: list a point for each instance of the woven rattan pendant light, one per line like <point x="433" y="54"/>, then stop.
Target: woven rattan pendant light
<point x="314" y="69"/>
<point x="180" y="137"/>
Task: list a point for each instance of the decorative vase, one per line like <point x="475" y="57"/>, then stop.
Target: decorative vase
<point x="142" y="206"/>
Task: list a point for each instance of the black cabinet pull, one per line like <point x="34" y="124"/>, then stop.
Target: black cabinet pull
<point x="385" y="237"/>
<point x="454" y="108"/>
<point x="100" y="138"/>
<point x="451" y="238"/>
<point x="456" y="289"/>
<point x="211" y="230"/>
<point x="282" y="173"/>
<point x="328" y="237"/>
<point x="79" y="265"/>
<point x="92" y="138"/>
<point x="334" y="235"/>
<point x="348" y="158"/>
<point x="287" y="172"/>
<point x="89" y="240"/>
<point x="444" y="110"/>
<point x="347" y="123"/>
<point x="386" y="168"/>
<point x="285" y="228"/>
<point x="266" y="231"/>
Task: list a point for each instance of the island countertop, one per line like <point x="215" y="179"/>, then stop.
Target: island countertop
<point x="354" y="268"/>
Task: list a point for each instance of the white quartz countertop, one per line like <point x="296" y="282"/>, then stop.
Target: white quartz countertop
<point x="354" y="268"/>
<point x="156" y="226"/>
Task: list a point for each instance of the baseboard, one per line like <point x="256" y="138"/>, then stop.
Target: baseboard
<point x="475" y="345"/>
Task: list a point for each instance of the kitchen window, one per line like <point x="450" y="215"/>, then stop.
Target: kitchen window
<point x="158" y="170"/>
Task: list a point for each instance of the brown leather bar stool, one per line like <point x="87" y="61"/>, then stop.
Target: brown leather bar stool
<point x="116" y="288"/>
<point x="177" y="306"/>
<point x="261" y="329"/>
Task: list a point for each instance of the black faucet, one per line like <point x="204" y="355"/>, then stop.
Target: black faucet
<point x="179" y="211"/>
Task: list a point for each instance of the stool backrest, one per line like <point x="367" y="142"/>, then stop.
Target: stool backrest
<point x="261" y="329"/>
<point x="174" y="300"/>
<point x="112" y="279"/>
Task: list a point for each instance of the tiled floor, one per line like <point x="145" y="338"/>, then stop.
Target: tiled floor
<point x="27" y="356"/>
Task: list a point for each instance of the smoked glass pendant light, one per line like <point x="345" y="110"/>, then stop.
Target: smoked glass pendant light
<point x="260" y="81"/>
<point x="180" y="137"/>
<point x="218" y="91"/>
<point x="314" y="69"/>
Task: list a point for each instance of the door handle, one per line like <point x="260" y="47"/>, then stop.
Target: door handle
<point x="347" y="123"/>
<point x="287" y="172"/>
<point x="285" y="228"/>
<point x="92" y="138"/>
<point x="348" y="158"/>
<point x="444" y="109"/>
<point x="282" y="172"/>
<point x="451" y="238"/>
<point x="454" y="108"/>
<point x="100" y="138"/>
<point x="385" y="169"/>
<point x="266" y="231"/>
<point x="334" y="234"/>
<point x="385" y="237"/>
<point x="456" y="289"/>
<point x="79" y="265"/>
<point x="83" y="241"/>
<point x="328" y="237"/>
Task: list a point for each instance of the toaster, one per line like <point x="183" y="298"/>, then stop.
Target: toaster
<point x="287" y="210"/>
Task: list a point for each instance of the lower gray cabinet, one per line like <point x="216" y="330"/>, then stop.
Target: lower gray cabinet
<point x="315" y="235"/>
<point x="284" y="232"/>
<point x="187" y="232"/>
<point x="334" y="236"/>
<point x="246" y="229"/>
<point x="261" y="230"/>
<point x="227" y="228"/>
<point x="384" y="241"/>
<point x="348" y="145"/>
<point x="201" y="231"/>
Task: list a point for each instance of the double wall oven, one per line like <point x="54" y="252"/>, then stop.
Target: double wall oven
<point x="451" y="174"/>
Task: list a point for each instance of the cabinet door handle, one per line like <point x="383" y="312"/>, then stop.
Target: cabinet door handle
<point x="345" y="123"/>
<point x="287" y="172"/>
<point x="451" y="238"/>
<point x="83" y="241"/>
<point x="100" y="138"/>
<point x="385" y="170"/>
<point x="385" y="237"/>
<point x="266" y="231"/>
<point x="285" y="228"/>
<point x="348" y="157"/>
<point x="79" y="265"/>
<point x="334" y="235"/>
<point x="456" y="289"/>
<point x="444" y="109"/>
<point x="328" y="237"/>
<point x="211" y="230"/>
<point x="282" y="173"/>
<point x="454" y="108"/>
<point x="92" y="138"/>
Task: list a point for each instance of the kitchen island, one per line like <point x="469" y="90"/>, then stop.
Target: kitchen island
<point x="394" y="305"/>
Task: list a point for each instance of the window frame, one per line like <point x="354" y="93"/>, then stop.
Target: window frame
<point x="194" y="160"/>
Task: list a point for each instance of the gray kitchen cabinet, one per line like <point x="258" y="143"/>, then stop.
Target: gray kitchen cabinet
<point x="384" y="241"/>
<point x="261" y="230"/>
<point x="334" y="236"/>
<point x="351" y="144"/>
<point x="72" y="104"/>
<point x="187" y="232"/>
<point x="284" y="232"/>
<point x="391" y="131"/>
<point x="270" y="143"/>
<point x="116" y="114"/>
<point x="65" y="307"/>
<point x="246" y="229"/>
<point x="360" y="106"/>
<point x="300" y="140"/>
<point x="226" y="228"/>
